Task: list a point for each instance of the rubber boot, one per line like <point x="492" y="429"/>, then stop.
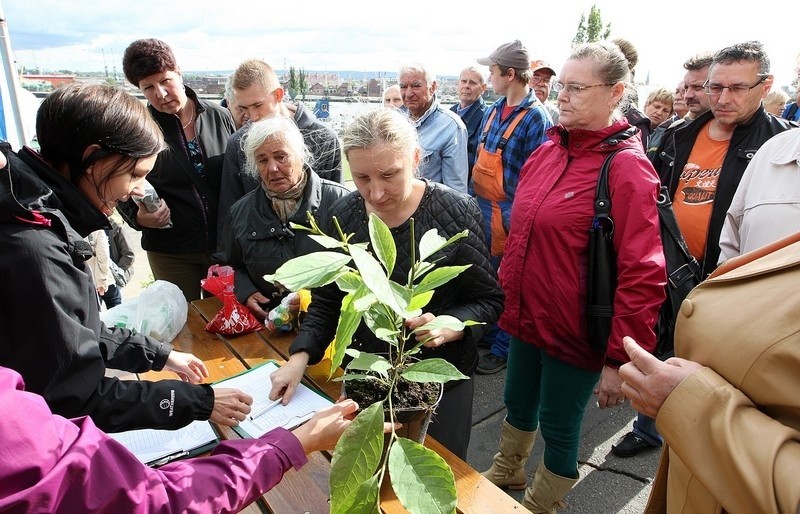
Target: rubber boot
<point x="547" y="492"/>
<point x="508" y="468"/>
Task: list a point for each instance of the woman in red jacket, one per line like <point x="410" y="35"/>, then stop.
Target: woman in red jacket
<point x="552" y="370"/>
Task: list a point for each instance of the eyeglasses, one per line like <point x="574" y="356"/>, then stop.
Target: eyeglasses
<point x="694" y="87"/>
<point x="735" y="90"/>
<point x="538" y="79"/>
<point x="574" y="89"/>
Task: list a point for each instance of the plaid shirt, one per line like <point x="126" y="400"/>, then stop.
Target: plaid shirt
<point x="526" y="138"/>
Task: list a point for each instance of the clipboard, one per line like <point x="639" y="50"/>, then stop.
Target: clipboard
<point x="158" y="447"/>
<point x="256" y="382"/>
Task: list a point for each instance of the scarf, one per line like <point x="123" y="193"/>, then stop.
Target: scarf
<point x="287" y="203"/>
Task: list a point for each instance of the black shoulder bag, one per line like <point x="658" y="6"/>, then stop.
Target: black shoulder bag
<point x="683" y="274"/>
<point x="602" y="277"/>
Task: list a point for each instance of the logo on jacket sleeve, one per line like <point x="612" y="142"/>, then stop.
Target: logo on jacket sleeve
<point x="168" y="403"/>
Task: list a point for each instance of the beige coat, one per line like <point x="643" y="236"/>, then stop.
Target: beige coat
<point x="731" y="429"/>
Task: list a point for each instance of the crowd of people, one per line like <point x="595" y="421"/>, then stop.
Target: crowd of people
<point x="720" y="152"/>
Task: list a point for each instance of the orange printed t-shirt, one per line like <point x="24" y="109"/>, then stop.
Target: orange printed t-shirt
<point x="697" y="188"/>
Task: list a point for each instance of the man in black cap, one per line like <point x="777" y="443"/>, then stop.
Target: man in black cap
<point x="511" y="130"/>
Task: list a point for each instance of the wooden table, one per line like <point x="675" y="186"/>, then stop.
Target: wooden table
<point x="306" y="491"/>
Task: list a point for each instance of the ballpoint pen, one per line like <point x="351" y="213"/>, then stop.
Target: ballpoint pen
<point x="169" y="458"/>
<point x="267" y="407"/>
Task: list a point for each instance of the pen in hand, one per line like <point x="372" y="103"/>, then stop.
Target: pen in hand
<point x="267" y="407"/>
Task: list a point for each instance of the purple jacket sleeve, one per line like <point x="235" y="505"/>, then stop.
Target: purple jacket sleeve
<point x="61" y="465"/>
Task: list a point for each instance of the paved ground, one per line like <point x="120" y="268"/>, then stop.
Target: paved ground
<point x="608" y="484"/>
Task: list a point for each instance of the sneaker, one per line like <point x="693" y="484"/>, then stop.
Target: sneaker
<point x="490" y="363"/>
<point x="630" y="445"/>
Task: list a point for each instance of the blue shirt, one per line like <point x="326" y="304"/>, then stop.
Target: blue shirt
<point x="443" y="137"/>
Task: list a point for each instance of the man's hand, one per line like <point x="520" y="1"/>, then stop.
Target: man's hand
<point x="647" y="381"/>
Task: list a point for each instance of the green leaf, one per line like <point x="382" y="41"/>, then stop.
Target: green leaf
<point x="349" y="319"/>
<point x="420" y="269"/>
<point x="368" y="362"/>
<point x="421" y="479"/>
<point x="363" y="499"/>
<point x="381" y="325"/>
<point x="386" y="334"/>
<point x="309" y="271"/>
<point x="349" y="282"/>
<point x="326" y="241"/>
<point x="401" y="293"/>
<point x="432" y="242"/>
<point x="420" y="300"/>
<point x="438" y="277"/>
<point x="432" y="370"/>
<point x="363" y="303"/>
<point x="382" y="242"/>
<point x="375" y="279"/>
<point x="356" y="459"/>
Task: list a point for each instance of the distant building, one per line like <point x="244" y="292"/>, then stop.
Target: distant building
<point x="374" y="88"/>
<point x="318" y="89"/>
<point x="54" y="80"/>
<point x="344" y="89"/>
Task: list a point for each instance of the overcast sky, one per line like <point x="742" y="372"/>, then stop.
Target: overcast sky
<point x="376" y="36"/>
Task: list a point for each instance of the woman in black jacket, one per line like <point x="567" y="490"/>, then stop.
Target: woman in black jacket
<point x="97" y="145"/>
<point x="259" y="237"/>
<point x="181" y="235"/>
<point x="383" y="151"/>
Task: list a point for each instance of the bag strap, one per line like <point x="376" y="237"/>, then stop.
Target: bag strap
<point x="602" y="197"/>
<point x="667" y="217"/>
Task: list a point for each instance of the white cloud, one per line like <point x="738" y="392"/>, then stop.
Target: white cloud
<point x="446" y="36"/>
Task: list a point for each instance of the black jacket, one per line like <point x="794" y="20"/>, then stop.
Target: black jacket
<point x="51" y="331"/>
<point x="257" y="243"/>
<point x="747" y="138"/>
<point x="192" y="199"/>
<point x="473" y="295"/>
<point x="321" y="141"/>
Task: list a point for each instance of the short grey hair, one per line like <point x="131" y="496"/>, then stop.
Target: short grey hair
<point x="430" y="78"/>
<point x="274" y="127"/>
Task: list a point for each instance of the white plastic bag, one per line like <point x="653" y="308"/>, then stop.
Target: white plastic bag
<point x="159" y="312"/>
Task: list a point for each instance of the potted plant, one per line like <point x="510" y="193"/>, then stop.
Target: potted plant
<point x="421" y="479"/>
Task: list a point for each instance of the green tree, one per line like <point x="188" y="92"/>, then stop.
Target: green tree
<point x="294" y="83"/>
<point x="298" y="83"/>
<point x="591" y="29"/>
<point x="303" y="83"/>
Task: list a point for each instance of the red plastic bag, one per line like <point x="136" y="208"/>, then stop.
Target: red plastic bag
<point x="233" y="318"/>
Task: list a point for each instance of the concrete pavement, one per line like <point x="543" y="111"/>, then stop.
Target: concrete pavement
<point x="608" y="484"/>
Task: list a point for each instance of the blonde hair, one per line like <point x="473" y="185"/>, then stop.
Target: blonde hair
<point x="661" y="95"/>
<point x="776" y="97"/>
<point x="255" y="71"/>
<point x="381" y="126"/>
